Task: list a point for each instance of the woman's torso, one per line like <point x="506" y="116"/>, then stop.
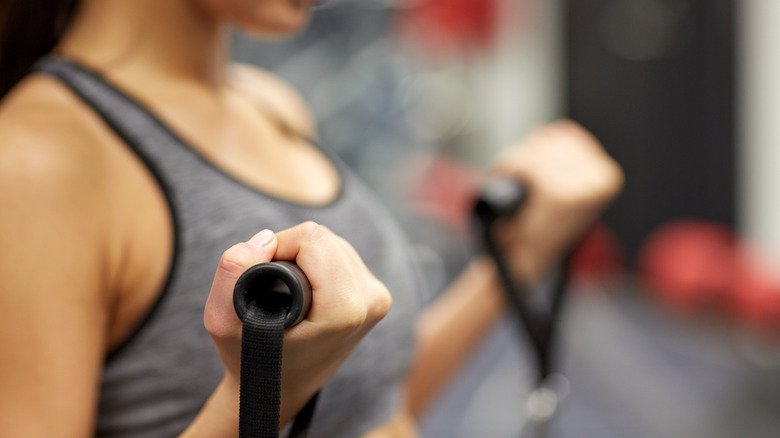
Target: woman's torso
<point x="177" y="211"/>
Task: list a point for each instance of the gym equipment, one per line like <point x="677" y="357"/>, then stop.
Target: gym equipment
<point x="689" y="265"/>
<point x="274" y="285"/>
<point x="268" y="298"/>
<point x="500" y="199"/>
<point x="698" y="267"/>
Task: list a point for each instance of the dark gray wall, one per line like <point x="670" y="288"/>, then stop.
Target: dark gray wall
<point x="654" y="80"/>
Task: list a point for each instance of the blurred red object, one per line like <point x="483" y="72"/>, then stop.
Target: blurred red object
<point x="698" y="266"/>
<point x="689" y="264"/>
<point x="599" y="257"/>
<point x="444" y="26"/>
<point x="443" y="189"/>
<point x="756" y="297"/>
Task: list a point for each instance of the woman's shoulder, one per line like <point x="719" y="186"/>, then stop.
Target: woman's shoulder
<point x="276" y="97"/>
<point x="46" y="127"/>
<point x="50" y="148"/>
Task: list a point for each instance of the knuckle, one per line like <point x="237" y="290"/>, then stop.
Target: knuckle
<point x="313" y="231"/>
<point x="618" y="177"/>
<point x="309" y="227"/>
<point x="215" y="326"/>
<point x="383" y="301"/>
<point x="233" y="261"/>
<point x="555" y="195"/>
<point x="210" y="322"/>
<point x="353" y="317"/>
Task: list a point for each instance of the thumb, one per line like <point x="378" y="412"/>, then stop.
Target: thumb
<point x="219" y="317"/>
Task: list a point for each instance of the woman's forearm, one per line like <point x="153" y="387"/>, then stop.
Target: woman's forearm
<point x="449" y="330"/>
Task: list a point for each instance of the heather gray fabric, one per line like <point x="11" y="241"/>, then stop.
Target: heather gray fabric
<point x="155" y="383"/>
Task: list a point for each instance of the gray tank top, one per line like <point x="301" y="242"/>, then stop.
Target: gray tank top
<point x="155" y="383"/>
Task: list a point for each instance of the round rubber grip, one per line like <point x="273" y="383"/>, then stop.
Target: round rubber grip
<point x="274" y="285"/>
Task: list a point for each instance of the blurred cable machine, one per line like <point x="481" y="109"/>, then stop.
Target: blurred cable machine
<point x="654" y="80"/>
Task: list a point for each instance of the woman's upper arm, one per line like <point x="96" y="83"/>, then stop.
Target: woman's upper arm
<point x="53" y="308"/>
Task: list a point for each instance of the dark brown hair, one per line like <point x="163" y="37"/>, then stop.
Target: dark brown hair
<point x="28" y="30"/>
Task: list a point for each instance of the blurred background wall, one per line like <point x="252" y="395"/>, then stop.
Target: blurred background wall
<point x="654" y="80"/>
<point x="759" y="105"/>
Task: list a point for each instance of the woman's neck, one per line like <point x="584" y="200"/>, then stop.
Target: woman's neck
<point x="172" y="38"/>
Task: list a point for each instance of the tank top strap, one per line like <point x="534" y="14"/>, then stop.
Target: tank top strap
<point x="124" y="114"/>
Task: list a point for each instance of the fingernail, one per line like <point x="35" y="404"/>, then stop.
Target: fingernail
<point x="262" y="238"/>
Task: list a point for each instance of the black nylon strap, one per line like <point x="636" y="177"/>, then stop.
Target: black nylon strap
<point x="540" y="326"/>
<point x="261" y="376"/>
<point x="261" y="373"/>
<point x="502" y="198"/>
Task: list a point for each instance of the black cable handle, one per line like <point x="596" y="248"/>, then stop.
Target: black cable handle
<point x="502" y="198"/>
<point x="268" y="298"/>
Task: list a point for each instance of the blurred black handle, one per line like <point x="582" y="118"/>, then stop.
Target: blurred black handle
<point x="502" y="198"/>
<point x="499" y="198"/>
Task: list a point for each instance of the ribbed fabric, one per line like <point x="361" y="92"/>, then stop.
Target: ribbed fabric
<point x="157" y="381"/>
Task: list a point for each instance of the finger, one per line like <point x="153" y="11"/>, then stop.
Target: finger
<point x="346" y="250"/>
<point x="314" y="248"/>
<point x="237" y="259"/>
<point x="292" y="239"/>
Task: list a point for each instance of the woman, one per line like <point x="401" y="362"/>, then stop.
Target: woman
<point x="137" y="154"/>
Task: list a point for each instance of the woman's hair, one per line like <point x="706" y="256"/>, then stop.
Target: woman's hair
<point x="28" y="30"/>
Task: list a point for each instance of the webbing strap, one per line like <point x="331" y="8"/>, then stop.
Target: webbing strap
<point x="262" y="344"/>
<point x="261" y="373"/>
<point x="540" y="326"/>
<point x="261" y="377"/>
<point x="502" y="198"/>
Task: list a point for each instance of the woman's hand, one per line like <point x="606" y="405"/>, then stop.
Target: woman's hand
<point x="570" y="180"/>
<point x="347" y="301"/>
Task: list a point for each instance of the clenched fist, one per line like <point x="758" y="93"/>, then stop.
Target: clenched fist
<point x="347" y="301"/>
<point x="570" y="180"/>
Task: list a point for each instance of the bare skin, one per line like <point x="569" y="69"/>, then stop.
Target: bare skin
<point x="84" y="208"/>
